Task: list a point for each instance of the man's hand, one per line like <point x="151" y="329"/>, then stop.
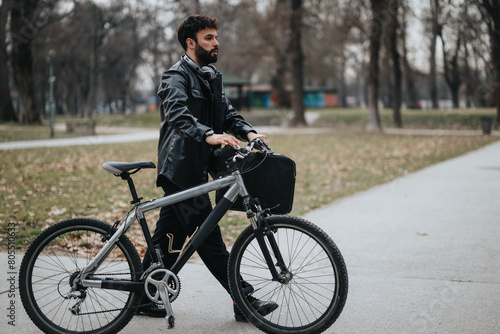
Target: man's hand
<point x="252" y="135"/>
<point x="223" y="139"/>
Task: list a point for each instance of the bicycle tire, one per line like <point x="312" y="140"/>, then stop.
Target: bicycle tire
<point x="50" y="263"/>
<point x="316" y="294"/>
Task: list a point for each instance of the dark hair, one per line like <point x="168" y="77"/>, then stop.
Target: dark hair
<point x="190" y="26"/>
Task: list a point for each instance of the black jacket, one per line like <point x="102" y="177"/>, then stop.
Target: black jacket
<point x="191" y="106"/>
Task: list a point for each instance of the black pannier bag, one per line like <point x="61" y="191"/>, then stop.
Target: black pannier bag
<point x="270" y="178"/>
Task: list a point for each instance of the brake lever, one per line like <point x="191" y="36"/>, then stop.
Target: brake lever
<point x="238" y="155"/>
<point x="261" y="145"/>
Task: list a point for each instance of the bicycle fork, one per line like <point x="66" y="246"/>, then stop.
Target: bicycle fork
<point x="263" y="232"/>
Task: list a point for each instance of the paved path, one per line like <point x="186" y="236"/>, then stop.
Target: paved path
<point x="123" y="136"/>
<point x="422" y="254"/>
<point x="423" y="251"/>
<point x="110" y="135"/>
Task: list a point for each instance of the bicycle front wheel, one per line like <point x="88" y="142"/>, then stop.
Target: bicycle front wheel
<point x="314" y="294"/>
<point x="54" y="260"/>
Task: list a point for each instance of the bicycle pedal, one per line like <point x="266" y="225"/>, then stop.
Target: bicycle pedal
<point x="170" y="321"/>
<point x="163" y="290"/>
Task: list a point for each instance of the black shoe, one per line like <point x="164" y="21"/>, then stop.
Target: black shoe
<point x="152" y="310"/>
<point x="247" y="288"/>
<point x="264" y="308"/>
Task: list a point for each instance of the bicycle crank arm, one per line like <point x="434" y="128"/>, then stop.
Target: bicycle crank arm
<point x="163" y="290"/>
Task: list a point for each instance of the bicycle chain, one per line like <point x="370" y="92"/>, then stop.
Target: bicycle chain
<point x="116" y="309"/>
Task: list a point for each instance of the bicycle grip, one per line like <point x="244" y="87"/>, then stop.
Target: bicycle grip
<point x="225" y="151"/>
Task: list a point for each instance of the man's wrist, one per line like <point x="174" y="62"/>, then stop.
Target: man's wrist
<point x="251" y="133"/>
<point x="208" y="133"/>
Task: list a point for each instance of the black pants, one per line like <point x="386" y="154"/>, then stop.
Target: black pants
<point x="181" y="220"/>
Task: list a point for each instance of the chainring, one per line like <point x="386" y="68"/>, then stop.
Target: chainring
<point x="162" y="276"/>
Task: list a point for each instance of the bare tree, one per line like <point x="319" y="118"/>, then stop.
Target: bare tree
<point x="490" y="11"/>
<point x="281" y="42"/>
<point x="6" y="108"/>
<point x="392" y="36"/>
<point x="297" y="60"/>
<point x="24" y="28"/>
<point x="159" y="49"/>
<point x="75" y="63"/>
<point x="452" y="67"/>
<point x="93" y="56"/>
<point x="435" y="29"/>
<point x="331" y="29"/>
<point x="378" y="8"/>
<point x="246" y="38"/>
<point x="407" y="69"/>
<point x="279" y="49"/>
<point x="459" y="37"/>
<point x="99" y="66"/>
<point x="121" y="58"/>
<point x="195" y="6"/>
<point x="257" y="46"/>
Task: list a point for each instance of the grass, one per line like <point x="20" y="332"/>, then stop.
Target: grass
<point x="455" y="119"/>
<point x="41" y="186"/>
<point x="338" y="118"/>
<point x="15" y="132"/>
<point x="144" y="120"/>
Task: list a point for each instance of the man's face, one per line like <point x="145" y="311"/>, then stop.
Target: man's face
<point x="207" y="47"/>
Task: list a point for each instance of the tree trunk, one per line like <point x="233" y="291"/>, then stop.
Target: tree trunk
<point x="23" y="75"/>
<point x="297" y="58"/>
<point x="91" y="98"/>
<point x="195" y="6"/>
<point x="396" y="63"/>
<point x="470" y="84"/>
<point x="373" y="68"/>
<point x="435" y="30"/>
<point x="278" y="81"/>
<point x="23" y="30"/>
<point x="342" y="83"/>
<point x="7" y="112"/>
<point x="408" y="72"/>
<point x="496" y="56"/>
<point x="6" y="108"/>
<point x="491" y="14"/>
<point x="452" y="71"/>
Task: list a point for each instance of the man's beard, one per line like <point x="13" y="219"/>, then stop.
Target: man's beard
<point x="203" y="56"/>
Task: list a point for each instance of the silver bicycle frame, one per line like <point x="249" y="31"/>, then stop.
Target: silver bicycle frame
<point x="236" y="188"/>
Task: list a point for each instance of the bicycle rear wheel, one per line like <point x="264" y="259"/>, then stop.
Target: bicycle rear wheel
<point x="52" y="262"/>
<point x="316" y="290"/>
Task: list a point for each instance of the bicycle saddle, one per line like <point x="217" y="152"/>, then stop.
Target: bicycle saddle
<point x="118" y="168"/>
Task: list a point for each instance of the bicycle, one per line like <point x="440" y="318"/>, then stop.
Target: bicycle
<point x="85" y="276"/>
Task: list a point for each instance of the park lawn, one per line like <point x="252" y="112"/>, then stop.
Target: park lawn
<point x="106" y="124"/>
<point x="15" y="132"/>
<point x="342" y="119"/>
<point x="453" y="119"/>
<point x="39" y="187"/>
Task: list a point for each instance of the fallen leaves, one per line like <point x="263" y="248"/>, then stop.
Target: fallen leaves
<point x="55" y="211"/>
<point x="39" y="187"/>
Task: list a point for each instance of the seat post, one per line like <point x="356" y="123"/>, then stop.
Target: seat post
<point x="135" y="198"/>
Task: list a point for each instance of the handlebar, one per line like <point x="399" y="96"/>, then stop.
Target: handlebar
<point x="233" y="153"/>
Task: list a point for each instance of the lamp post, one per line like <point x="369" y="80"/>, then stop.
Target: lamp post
<point x="51" y="80"/>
